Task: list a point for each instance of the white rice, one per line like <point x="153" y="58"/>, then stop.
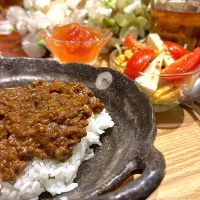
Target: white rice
<point x="52" y="176"/>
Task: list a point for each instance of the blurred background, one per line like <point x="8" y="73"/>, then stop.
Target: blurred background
<point x="27" y="17"/>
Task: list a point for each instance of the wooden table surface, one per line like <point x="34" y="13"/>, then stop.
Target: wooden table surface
<point x="178" y="139"/>
<point x="179" y="142"/>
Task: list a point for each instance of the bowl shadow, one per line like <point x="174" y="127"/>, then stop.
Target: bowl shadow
<point x="170" y="119"/>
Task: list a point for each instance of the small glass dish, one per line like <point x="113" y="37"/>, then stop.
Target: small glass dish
<point x="169" y="93"/>
<point x="68" y="51"/>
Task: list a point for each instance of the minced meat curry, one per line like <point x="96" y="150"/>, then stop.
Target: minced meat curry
<point x="44" y="120"/>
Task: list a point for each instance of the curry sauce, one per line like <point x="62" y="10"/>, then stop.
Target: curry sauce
<point x="44" y="120"/>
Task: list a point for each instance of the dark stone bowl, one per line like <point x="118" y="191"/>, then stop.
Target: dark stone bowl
<point x="127" y="147"/>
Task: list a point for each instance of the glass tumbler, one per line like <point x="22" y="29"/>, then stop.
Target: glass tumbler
<point x="177" y="21"/>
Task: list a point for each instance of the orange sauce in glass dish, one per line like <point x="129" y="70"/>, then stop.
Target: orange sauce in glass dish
<point x="75" y="43"/>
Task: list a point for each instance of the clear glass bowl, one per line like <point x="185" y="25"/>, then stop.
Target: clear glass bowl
<point x="67" y="51"/>
<point x="168" y="93"/>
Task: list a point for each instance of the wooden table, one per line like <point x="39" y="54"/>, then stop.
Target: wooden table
<point x="180" y="145"/>
<point x="178" y="139"/>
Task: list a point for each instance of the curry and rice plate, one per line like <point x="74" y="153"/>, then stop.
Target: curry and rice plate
<point x="46" y="130"/>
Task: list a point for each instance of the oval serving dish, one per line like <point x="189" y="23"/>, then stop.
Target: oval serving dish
<point x="127" y="147"/>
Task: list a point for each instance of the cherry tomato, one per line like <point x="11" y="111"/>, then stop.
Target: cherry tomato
<point x="74" y="32"/>
<point x="130" y="42"/>
<point x="176" y="50"/>
<point x="138" y="62"/>
<point x="185" y="64"/>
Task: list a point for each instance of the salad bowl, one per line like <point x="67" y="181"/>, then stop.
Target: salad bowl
<point x="165" y="88"/>
<point x="126" y="148"/>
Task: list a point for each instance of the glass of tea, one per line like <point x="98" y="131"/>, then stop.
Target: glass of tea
<point x="177" y="21"/>
<point x="4" y="4"/>
<point x="7" y="3"/>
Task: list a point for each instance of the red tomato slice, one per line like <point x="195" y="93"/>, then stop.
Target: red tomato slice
<point x="130" y="42"/>
<point x="176" y="50"/>
<point x="76" y="32"/>
<point x="138" y="62"/>
<point x="185" y="64"/>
